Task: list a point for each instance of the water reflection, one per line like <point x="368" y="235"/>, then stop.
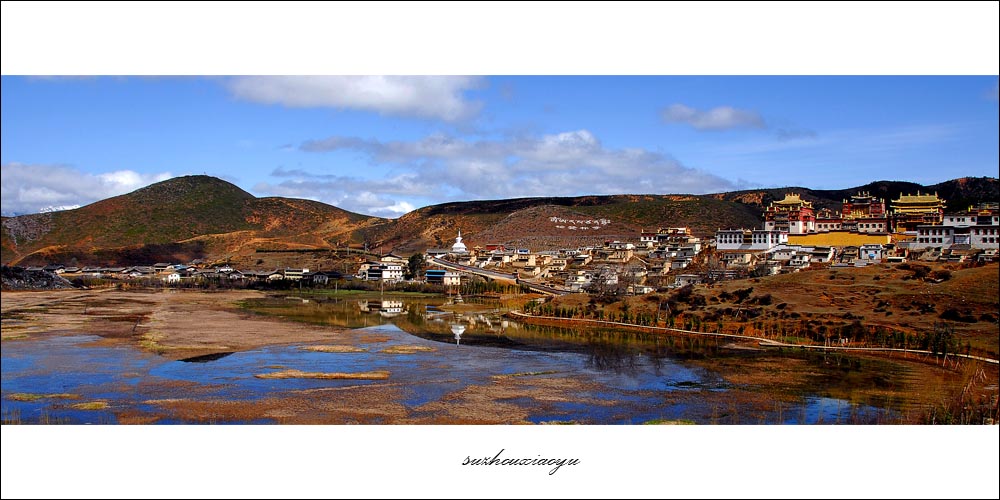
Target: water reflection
<point x="596" y="376"/>
<point x="205" y="358"/>
<point x="458" y="329"/>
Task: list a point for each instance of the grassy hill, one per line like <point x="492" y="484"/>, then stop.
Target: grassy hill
<point x="193" y="216"/>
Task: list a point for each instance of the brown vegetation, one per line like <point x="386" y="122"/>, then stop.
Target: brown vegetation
<point x="285" y="374"/>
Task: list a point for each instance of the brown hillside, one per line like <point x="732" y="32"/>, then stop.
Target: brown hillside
<point x="185" y="217"/>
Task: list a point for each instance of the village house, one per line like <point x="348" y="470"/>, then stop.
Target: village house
<point x="170" y="276"/>
<point x="640" y="289"/>
<point x="451" y="278"/>
<point x="582" y="259"/>
<point x="687" y="279"/>
<point x="579" y="280"/>
<point x="800" y="260"/>
<point x="738" y="258"/>
<point x="871" y="253"/>
<point x="821" y="254"/>
<point x="524" y="260"/>
<point x="294" y="274"/>
<point x="647" y="239"/>
<point x="680" y="263"/>
<point x="323" y="277"/>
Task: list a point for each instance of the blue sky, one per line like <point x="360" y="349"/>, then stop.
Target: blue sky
<point x="386" y="145"/>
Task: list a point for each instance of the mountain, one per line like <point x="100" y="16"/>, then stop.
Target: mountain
<point x="549" y="223"/>
<point x="959" y="194"/>
<point x="179" y="219"/>
<point x="204" y="217"/>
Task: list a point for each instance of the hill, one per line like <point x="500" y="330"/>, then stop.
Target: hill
<point x="546" y="223"/>
<point x="958" y="193"/>
<point x="179" y="219"/>
<point x="204" y="217"/>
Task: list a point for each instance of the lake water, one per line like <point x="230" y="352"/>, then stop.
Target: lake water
<point x="617" y="377"/>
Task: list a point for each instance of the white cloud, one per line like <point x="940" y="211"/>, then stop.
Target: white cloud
<point x="719" y="118"/>
<point x="441" y="168"/>
<point x="437" y="97"/>
<point x="33" y="188"/>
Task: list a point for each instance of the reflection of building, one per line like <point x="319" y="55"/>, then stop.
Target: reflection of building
<point x="386" y="308"/>
<point x="910" y="211"/>
<point x="792" y="215"/>
<point x="457" y="329"/>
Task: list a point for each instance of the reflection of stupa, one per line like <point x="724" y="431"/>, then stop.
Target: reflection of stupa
<point x="459" y="247"/>
<point x="458" y="330"/>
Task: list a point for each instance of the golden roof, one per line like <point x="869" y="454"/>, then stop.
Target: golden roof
<point x="918" y="198"/>
<point x="792" y="199"/>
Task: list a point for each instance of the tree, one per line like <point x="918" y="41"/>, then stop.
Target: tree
<point x="415" y="266"/>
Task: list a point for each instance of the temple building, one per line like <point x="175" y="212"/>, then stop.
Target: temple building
<point x="864" y="213"/>
<point x="792" y="215"/>
<point x="910" y="211"/>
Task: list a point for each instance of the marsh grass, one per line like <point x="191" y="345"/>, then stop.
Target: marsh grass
<point x="523" y="374"/>
<point x="287" y="374"/>
<point x="664" y="421"/>
<point x="334" y="348"/>
<point x="407" y="349"/>
<point x="26" y="396"/>
<point x="90" y="405"/>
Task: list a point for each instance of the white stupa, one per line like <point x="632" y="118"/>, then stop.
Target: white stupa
<point x="459" y="247"/>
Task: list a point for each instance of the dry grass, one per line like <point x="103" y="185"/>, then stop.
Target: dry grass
<point x="286" y="374"/>
<point x="522" y="374"/>
<point x="23" y="396"/>
<point x="334" y="348"/>
<point x="90" y="405"/>
<point x="407" y="349"/>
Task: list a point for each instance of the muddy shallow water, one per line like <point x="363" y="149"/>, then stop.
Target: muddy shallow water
<point x="443" y="367"/>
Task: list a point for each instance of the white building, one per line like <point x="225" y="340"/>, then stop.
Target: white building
<point x="452" y="279"/>
<point x="295" y="274"/>
<point x="392" y="272"/>
<point x="746" y="239"/>
<point x="871" y="252"/>
<point x="977" y="231"/>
